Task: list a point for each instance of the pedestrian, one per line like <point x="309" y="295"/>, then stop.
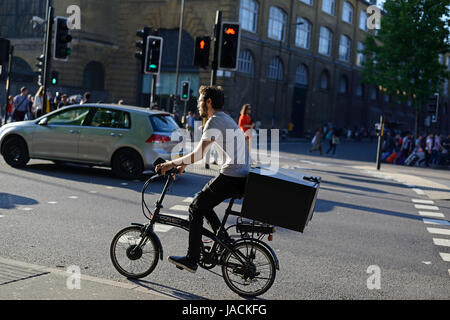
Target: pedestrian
<point x="228" y="184"/>
<point x="331" y="138"/>
<point x="436" y="150"/>
<point x="245" y="121"/>
<point x="64" y="102"/>
<point x="429" y="149"/>
<point x="317" y="141"/>
<point x="10" y="108"/>
<point x="190" y="125"/>
<point x="120" y="102"/>
<point x="87" y="98"/>
<point x="21" y="105"/>
<point x="38" y="105"/>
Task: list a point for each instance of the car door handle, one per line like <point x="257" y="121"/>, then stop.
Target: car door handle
<point x="74" y="131"/>
<point x="113" y="134"/>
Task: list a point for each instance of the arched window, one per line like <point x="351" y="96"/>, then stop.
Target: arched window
<point x="373" y="93"/>
<point x="303" y="33"/>
<point x="275" y="70"/>
<point x="343" y="85"/>
<point x="328" y="6"/>
<point x="347" y="12"/>
<point x="359" y="90"/>
<point x="94" y="76"/>
<point x="360" y="57"/>
<point x="324" y="80"/>
<point x="248" y="15"/>
<point x="325" y="41"/>
<point x="277" y="24"/>
<point x="301" y="75"/>
<point x="245" y="62"/>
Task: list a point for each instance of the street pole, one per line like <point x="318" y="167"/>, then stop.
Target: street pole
<point x="180" y="32"/>
<point x="152" y="96"/>
<point x="47" y="53"/>
<point x="8" y="79"/>
<point x="380" y="142"/>
<point x="215" y="62"/>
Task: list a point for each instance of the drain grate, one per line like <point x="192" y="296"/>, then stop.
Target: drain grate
<point x="10" y="273"/>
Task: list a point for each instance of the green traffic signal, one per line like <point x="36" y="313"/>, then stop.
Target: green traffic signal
<point x="153" y="66"/>
<point x="53" y="80"/>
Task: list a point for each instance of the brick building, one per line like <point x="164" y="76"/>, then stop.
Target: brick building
<point x="298" y="63"/>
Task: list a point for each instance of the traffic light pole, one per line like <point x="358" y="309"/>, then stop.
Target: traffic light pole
<point x="380" y="142"/>
<point x="180" y="32"/>
<point x="215" y="62"/>
<point x="47" y="55"/>
<point x="152" y="96"/>
<point x="8" y="81"/>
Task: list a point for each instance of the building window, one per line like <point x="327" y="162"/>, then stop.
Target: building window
<point x="347" y="12"/>
<point x="373" y="93"/>
<point x="325" y="41"/>
<point x="275" y="70"/>
<point x="360" y="57"/>
<point x="359" y="90"/>
<point x="303" y="33"/>
<point x="328" y="6"/>
<point x="445" y="91"/>
<point x="324" y="80"/>
<point x="344" y="48"/>
<point x="363" y="20"/>
<point x="248" y="15"/>
<point x="301" y="75"/>
<point x="277" y="24"/>
<point x="310" y="2"/>
<point x="343" y="85"/>
<point x="245" y="62"/>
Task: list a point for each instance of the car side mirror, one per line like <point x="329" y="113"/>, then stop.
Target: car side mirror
<point x="43" y="121"/>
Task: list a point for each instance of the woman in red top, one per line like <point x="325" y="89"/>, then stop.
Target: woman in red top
<point x="245" y="121"/>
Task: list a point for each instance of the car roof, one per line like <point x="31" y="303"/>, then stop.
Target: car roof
<point x="121" y="107"/>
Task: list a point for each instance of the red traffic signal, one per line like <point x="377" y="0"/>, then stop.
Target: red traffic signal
<point x="229" y="46"/>
<point x="201" y="51"/>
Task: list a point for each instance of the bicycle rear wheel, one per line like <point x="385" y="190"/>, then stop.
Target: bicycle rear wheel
<point x="130" y="260"/>
<point x="254" y="277"/>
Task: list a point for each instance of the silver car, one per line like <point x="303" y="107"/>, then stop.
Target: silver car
<point x="127" y="139"/>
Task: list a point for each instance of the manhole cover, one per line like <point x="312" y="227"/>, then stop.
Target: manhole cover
<point x="10" y="273"/>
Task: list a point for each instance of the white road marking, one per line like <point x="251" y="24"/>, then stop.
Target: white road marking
<point x="189" y="199"/>
<point x="441" y="242"/>
<point x="180" y="208"/>
<point x="426" y="262"/>
<point x="425" y="207"/>
<point x="431" y="214"/>
<point x="25" y="209"/>
<point x="52" y="202"/>
<point x="435" y="221"/>
<point x="419" y="191"/>
<point x="1" y="216"/>
<point x="439" y="231"/>
<point x="92" y="191"/>
<point x="73" y="197"/>
<point x="422" y="201"/>
<point x="445" y="256"/>
<point x="110" y="188"/>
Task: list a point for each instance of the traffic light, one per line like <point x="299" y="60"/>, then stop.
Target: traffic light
<point x="433" y="103"/>
<point x="201" y="52"/>
<point x="61" y="39"/>
<point x="4" y="51"/>
<point x="153" y="55"/>
<point x="40" y="70"/>
<point x="229" y="45"/>
<point x="54" y="78"/>
<point x="185" y="90"/>
<point x="142" y="45"/>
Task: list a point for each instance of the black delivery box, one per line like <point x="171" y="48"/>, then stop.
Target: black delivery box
<point x="281" y="198"/>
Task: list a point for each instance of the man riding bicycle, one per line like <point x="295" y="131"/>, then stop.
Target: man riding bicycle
<point x="222" y="130"/>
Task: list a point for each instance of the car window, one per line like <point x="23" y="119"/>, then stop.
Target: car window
<point x="163" y="123"/>
<point x="71" y="117"/>
<point x="109" y="118"/>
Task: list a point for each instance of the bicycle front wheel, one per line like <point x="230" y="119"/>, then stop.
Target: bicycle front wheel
<point x="255" y="276"/>
<point x="130" y="259"/>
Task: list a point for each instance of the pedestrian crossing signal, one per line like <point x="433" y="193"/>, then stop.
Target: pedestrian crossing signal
<point x="153" y="55"/>
<point x="201" y="52"/>
<point x="229" y="46"/>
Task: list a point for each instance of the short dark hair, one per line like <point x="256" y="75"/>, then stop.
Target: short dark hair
<point x="215" y="93"/>
<point x="23" y="89"/>
<point x="87" y="95"/>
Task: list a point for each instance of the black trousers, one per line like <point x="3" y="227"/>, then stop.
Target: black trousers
<point x="213" y="193"/>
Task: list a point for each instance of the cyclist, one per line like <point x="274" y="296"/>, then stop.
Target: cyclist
<point x="222" y="130"/>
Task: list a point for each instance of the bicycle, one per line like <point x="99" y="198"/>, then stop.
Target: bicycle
<point x="248" y="264"/>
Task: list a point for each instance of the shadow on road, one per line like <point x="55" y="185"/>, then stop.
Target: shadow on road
<point x="175" y="293"/>
<point x="11" y="201"/>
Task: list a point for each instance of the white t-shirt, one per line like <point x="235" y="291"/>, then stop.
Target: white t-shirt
<point x="230" y="139"/>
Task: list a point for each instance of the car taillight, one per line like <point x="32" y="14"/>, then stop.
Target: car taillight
<point x="158" y="138"/>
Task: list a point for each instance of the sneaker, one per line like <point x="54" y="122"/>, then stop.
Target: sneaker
<point x="184" y="263"/>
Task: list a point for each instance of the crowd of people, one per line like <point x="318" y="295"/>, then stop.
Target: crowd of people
<point x="26" y="106"/>
<point x="425" y="150"/>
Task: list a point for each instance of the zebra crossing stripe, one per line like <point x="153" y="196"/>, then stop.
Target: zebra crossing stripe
<point x="439" y="231"/>
<point x="445" y="256"/>
<point x="441" y="242"/>
<point x="180" y="208"/>
<point x="425" y="207"/>
<point x="419" y="191"/>
<point x="431" y="214"/>
<point x="420" y="201"/>
<point x="436" y="221"/>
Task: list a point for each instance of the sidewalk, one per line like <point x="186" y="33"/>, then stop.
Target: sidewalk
<point x="23" y="281"/>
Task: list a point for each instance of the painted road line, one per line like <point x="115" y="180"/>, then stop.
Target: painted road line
<point x="425" y="207"/>
<point x="436" y="221"/>
<point x="439" y="231"/>
<point x="419" y="191"/>
<point x="189" y="199"/>
<point x="431" y="214"/>
<point x="73" y="197"/>
<point x="92" y="191"/>
<point x="445" y="256"/>
<point x="25" y="209"/>
<point x="179" y="208"/>
<point x="52" y="202"/>
<point x="422" y="201"/>
<point x="1" y="216"/>
<point x="441" y="242"/>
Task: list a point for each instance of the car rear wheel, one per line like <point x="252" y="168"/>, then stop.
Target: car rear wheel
<point x="127" y="164"/>
<point x="15" y="152"/>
